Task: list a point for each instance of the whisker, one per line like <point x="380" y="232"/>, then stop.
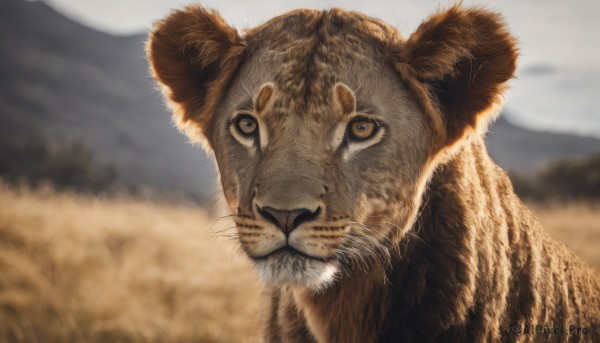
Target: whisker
<point x="415" y="235"/>
<point x="364" y="248"/>
<point x="229" y="237"/>
<point x="225" y="229"/>
<point x="225" y="217"/>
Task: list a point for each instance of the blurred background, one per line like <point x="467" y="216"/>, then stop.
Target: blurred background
<point x="108" y="226"/>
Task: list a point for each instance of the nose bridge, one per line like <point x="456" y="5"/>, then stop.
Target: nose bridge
<point x="290" y="180"/>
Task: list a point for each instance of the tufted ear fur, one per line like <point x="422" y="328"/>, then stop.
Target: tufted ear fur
<point x="459" y="61"/>
<point x="194" y="54"/>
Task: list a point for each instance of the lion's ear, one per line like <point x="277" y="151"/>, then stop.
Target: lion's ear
<point x="194" y="54"/>
<point x="464" y="58"/>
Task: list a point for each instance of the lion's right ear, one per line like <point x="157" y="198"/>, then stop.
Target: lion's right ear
<point x="194" y="55"/>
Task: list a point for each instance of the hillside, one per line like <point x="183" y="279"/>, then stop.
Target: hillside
<point x="526" y="151"/>
<point x="70" y="82"/>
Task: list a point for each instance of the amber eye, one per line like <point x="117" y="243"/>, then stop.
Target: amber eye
<point x="362" y="129"/>
<point x="246" y="125"/>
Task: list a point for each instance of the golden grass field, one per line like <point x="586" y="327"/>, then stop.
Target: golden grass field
<point x="81" y="269"/>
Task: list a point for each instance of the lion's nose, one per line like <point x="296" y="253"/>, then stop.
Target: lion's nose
<point x="287" y="221"/>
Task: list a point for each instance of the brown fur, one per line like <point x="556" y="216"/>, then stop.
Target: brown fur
<point x="481" y="262"/>
<point x="421" y="233"/>
<point x="194" y="55"/>
<point x="462" y="58"/>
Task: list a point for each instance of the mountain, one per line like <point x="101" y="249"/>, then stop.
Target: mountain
<point x="524" y="151"/>
<point x="71" y="82"/>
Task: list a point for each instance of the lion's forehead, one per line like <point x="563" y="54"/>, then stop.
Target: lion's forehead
<point x="315" y="49"/>
<point x="334" y="25"/>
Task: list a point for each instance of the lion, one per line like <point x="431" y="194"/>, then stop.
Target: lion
<point x="353" y="162"/>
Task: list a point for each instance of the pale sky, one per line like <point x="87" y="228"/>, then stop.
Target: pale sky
<point x="560" y="35"/>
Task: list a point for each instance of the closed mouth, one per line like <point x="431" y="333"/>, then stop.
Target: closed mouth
<point x="289" y="250"/>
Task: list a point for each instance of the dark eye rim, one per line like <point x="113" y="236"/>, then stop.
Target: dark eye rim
<point x="235" y="121"/>
<point x="376" y="127"/>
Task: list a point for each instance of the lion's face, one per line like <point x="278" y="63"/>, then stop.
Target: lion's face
<point x="326" y="125"/>
<point x="317" y="167"/>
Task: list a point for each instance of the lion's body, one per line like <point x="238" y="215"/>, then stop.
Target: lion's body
<point x="478" y="263"/>
<point x="353" y="162"/>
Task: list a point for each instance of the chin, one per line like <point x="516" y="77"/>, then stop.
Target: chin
<point x="289" y="269"/>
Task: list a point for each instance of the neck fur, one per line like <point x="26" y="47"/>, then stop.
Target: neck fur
<point x="475" y="262"/>
<point x="454" y="250"/>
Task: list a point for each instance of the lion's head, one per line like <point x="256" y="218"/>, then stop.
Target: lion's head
<point x="327" y="125"/>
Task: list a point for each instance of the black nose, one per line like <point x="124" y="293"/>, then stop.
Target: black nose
<point x="287" y="221"/>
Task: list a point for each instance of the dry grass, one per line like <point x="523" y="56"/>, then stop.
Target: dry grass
<point x="577" y="225"/>
<point x="79" y="269"/>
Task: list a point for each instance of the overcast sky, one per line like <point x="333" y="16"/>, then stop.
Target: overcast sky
<point x="561" y="36"/>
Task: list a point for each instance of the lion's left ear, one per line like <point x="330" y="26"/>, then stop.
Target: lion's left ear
<point x="461" y="58"/>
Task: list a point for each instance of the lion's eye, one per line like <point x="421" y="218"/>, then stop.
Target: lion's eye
<point x="362" y="129"/>
<point x="246" y="125"/>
